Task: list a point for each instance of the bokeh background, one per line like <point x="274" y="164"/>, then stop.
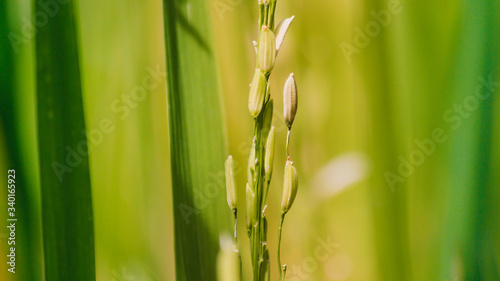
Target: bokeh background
<point x="376" y="79"/>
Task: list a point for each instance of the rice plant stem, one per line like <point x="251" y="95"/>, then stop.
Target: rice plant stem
<point x="266" y="13"/>
<point x="272" y="6"/>
<point x="259" y="172"/>
<point x="287" y="142"/>
<point x="260" y="183"/>
<point x="235" y="212"/>
<point x="261" y="15"/>
<point x="279" y="246"/>
<point x="266" y="188"/>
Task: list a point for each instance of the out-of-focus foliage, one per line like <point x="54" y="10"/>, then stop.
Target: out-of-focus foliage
<point x="407" y="90"/>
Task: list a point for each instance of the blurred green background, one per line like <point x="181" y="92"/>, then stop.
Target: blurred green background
<point x="396" y="148"/>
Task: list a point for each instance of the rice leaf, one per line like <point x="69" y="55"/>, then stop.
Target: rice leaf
<point x="68" y="232"/>
<point x="27" y="225"/>
<point x="197" y="140"/>
<point x="469" y="232"/>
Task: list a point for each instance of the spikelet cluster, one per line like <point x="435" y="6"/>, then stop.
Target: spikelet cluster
<point x="262" y="152"/>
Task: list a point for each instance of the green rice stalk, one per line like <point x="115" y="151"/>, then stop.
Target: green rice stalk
<point x="260" y="162"/>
